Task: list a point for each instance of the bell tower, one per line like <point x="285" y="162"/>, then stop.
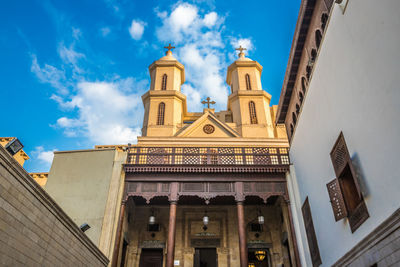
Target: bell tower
<point x="248" y="102"/>
<point x="164" y="104"/>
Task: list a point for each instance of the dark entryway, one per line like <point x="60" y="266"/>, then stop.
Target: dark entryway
<point x="205" y="257"/>
<point x="151" y="258"/>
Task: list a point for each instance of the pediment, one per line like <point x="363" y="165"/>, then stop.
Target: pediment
<point x="208" y="125"/>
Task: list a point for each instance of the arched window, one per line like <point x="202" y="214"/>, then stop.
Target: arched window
<point x="294" y="118"/>
<point x="318" y="38"/>
<point x="297" y="109"/>
<point x="301" y="97"/>
<point x="324" y="20"/>
<point x="303" y="84"/>
<point x="164" y="82"/>
<point x="161" y="113"/>
<point x="313" y="55"/>
<point x="253" y="115"/>
<point x="248" y="84"/>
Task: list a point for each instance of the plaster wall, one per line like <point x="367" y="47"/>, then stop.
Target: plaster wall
<point x="79" y="181"/>
<point x="355" y="89"/>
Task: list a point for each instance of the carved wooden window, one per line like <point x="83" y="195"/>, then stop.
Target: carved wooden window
<point x="253" y="115"/>
<point x="311" y="236"/>
<point x="164" y="82"/>
<point x="344" y="191"/>
<point x="161" y="113"/>
<point x="318" y="38"/>
<point x="248" y="83"/>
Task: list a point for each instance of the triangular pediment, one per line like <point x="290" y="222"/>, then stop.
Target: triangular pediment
<point x="208" y="125"/>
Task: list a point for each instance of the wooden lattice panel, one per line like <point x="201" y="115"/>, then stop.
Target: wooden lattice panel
<point x="358" y="216"/>
<point x="220" y="187"/>
<point x="340" y="155"/>
<point x="149" y="187"/>
<point x="337" y="201"/>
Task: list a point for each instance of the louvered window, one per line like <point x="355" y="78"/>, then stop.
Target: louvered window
<point x="344" y="191"/>
<point x="248" y="83"/>
<point x="164" y="82"/>
<point x="253" y="115"/>
<point x="311" y="236"/>
<point x="161" y="114"/>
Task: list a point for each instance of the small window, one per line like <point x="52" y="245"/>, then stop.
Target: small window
<point x="164" y="82"/>
<point x="344" y="191"/>
<point x="153" y="227"/>
<point x="248" y="83"/>
<point x="310" y="232"/>
<point x="324" y="20"/>
<point x="255" y="227"/>
<point x="253" y="115"/>
<point x="228" y="118"/>
<point x="301" y="97"/>
<point x="297" y="109"/>
<point x="161" y="114"/>
<point x="308" y="72"/>
<point x="291" y="129"/>
<point x="313" y="55"/>
<point x="294" y="118"/>
<point x="318" y="38"/>
<point x="303" y="84"/>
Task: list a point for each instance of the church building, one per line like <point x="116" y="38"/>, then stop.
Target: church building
<point x="198" y="189"/>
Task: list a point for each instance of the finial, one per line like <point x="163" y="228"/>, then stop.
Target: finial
<point x="169" y="47"/>
<point x="240" y="48"/>
<point x="208" y="102"/>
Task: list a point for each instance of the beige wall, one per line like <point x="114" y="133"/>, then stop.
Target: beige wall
<point x="80" y="182"/>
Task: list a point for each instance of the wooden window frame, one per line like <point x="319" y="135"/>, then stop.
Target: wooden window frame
<point x="311" y="235"/>
<point x="248" y="82"/>
<point x="344" y="191"/>
<point x="164" y="82"/>
<point x="161" y="113"/>
<point x="253" y="113"/>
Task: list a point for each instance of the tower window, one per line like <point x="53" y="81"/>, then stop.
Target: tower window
<point x="297" y="109"/>
<point x="164" y="82"/>
<point x="324" y="20"/>
<point x="301" y="97"/>
<point x="160" y="115"/>
<point x="253" y="115"/>
<point x="248" y="84"/>
<point x="303" y="84"/>
<point x="294" y="119"/>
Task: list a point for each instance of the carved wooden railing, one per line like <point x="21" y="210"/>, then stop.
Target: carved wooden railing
<point x="207" y="156"/>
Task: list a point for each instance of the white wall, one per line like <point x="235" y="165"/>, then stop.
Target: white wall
<point x="354" y="89"/>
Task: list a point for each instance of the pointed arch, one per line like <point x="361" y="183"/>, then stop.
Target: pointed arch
<point x="253" y="114"/>
<point x="164" y="82"/>
<point x="161" y="113"/>
<point x="248" y="83"/>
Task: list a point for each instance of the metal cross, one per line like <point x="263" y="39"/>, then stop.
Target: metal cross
<point x="240" y="48"/>
<point x="208" y="102"/>
<point x="169" y="47"/>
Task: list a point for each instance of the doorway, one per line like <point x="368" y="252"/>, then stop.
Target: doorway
<point x="151" y="258"/>
<point x="205" y="257"/>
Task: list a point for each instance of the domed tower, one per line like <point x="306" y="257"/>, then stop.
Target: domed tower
<point x="164" y="104"/>
<point x="248" y="102"/>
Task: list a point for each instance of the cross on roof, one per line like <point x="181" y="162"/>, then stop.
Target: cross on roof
<point x="169" y="47"/>
<point x="240" y="48"/>
<point x="208" y="102"/>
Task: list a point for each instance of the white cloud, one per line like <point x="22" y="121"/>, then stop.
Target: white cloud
<point x="44" y="156"/>
<point x="210" y="19"/>
<point x="136" y="29"/>
<point x="70" y="56"/>
<point x="49" y="74"/>
<point x="106" y="113"/>
<point x="200" y="49"/>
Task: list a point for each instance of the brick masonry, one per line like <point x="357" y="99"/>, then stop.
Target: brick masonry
<point x="34" y="230"/>
<point x="380" y="247"/>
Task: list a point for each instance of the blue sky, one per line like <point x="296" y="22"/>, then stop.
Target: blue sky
<point x="73" y="72"/>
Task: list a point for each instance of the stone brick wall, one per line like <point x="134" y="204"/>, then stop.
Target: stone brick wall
<point x="34" y="230"/>
<point x="380" y="247"/>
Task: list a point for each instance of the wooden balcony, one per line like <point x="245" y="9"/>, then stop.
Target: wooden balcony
<point x="207" y="159"/>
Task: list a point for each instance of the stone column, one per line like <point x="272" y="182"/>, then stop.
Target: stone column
<point x="242" y="235"/>
<point x="171" y="234"/>
<point x="118" y="235"/>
